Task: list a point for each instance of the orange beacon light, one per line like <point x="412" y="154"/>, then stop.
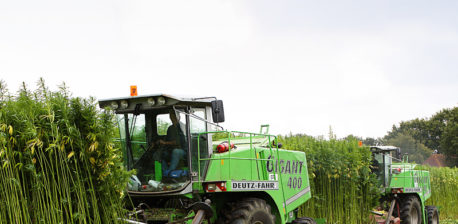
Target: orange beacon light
<point x="133" y="91"/>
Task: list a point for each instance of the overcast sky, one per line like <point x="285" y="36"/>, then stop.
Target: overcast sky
<point x="300" y="66"/>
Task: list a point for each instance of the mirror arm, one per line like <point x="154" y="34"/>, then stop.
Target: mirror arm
<point x="198" y="118"/>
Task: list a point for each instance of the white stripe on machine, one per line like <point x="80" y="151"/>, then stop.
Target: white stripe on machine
<point x="298" y="195"/>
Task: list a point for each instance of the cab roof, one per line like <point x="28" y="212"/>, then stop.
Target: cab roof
<point x="153" y="101"/>
<point x="384" y="148"/>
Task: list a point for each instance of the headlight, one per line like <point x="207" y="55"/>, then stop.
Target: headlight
<point x="114" y="105"/>
<point x="160" y="100"/>
<point x="124" y="104"/>
<point x="151" y="101"/>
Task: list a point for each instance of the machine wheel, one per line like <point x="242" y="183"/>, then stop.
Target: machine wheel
<point x="432" y="214"/>
<point x="411" y="210"/>
<point x="249" y="211"/>
<point x="304" y="220"/>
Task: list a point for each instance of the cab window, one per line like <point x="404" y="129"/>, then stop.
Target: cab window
<point x="198" y="146"/>
<point x="163" y="122"/>
<point x="198" y="125"/>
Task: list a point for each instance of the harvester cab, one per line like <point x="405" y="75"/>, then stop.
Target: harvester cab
<point x="403" y="186"/>
<point x="188" y="169"/>
<point x="382" y="160"/>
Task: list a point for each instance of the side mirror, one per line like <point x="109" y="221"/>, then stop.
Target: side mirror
<point x="217" y="111"/>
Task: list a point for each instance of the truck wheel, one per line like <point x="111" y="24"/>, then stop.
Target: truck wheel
<point x="304" y="220"/>
<point x="411" y="210"/>
<point x="250" y="211"/>
<point x="432" y="214"/>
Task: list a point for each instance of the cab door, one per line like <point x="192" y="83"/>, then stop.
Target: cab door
<point x="199" y="141"/>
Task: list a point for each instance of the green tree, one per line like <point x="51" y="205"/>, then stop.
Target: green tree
<point x="419" y="129"/>
<point x="449" y="140"/>
<point x="437" y="133"/>
<point x="353" y="138"/>
<point x="372" y="141"/>
<point x="417" y="152"/>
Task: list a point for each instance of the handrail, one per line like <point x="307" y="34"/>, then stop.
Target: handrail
<point x="405" y="158"/>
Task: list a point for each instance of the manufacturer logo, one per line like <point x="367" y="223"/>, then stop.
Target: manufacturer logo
<point x="254" y="185"/>
<point x="411" y="190"/>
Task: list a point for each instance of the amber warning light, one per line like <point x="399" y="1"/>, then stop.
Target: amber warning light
<point x="133" y="91"/>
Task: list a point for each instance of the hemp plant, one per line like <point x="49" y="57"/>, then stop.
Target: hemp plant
<point x="343" y="188"/>
<point x="58" y="163"/>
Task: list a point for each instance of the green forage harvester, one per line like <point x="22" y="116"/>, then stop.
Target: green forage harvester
<point x="190" y="170"/>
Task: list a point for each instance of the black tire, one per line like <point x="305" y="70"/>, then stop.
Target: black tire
<point x="304" y="220"/>
<point x="248" y="211"/>
<point x="411" y="210"/>
<point x="432" y="214"/>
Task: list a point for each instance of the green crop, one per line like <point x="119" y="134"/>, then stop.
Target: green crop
<point x="444" y="190"/>
<point x="343" y="188"/>
<point x="58" y="163"/>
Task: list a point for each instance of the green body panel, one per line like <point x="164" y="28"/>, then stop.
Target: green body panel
<point x="251" y="166"/>
<point x="412" y="182"/>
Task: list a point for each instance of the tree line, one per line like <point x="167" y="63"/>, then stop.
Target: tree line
<point x="421" y="137"/>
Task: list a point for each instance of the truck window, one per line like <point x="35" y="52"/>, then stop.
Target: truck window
<point x="162" y="164"/>
<point x="198" y="125"/>
<point x="163" y="122"/>
<point x="137" y="135"/>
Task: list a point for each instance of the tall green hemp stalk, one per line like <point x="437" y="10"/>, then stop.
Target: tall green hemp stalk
<point x="58" y="163"/>
<point x="343" y="188"/>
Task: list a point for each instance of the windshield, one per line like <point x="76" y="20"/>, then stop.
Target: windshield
<point x="381" y="163"/>
<point x="155" y="144"/>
